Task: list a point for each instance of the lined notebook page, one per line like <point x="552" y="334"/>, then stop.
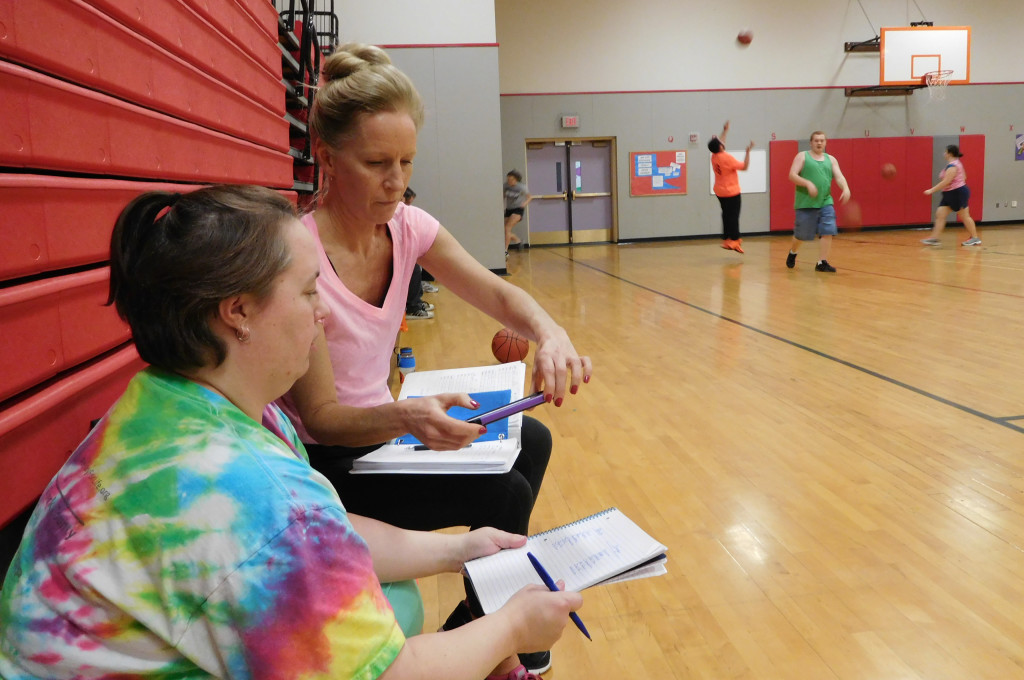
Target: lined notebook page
<point x="582" y="553"/>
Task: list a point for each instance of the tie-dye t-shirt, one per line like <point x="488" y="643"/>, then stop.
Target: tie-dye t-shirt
<point x="184" y="540"/>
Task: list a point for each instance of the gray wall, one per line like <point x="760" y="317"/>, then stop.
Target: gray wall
<point x="645" y="121"/>
<point x="457" y="172"/>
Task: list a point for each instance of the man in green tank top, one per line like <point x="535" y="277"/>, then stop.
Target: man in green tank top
<point x="812" y="172"/>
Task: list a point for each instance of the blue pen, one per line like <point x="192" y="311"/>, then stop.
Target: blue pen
<point x="550" y="583"/>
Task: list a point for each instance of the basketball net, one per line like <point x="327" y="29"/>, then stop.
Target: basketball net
<point x="937" y="82"/>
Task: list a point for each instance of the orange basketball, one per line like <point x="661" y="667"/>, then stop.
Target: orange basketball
<point x="744" y="37"/>
<point x="850" y="218"/>
<point x="888" y="171"/>
<point x="508" y="346"/>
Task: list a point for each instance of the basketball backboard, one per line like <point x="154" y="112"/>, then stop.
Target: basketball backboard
<point x="909" y="52"/>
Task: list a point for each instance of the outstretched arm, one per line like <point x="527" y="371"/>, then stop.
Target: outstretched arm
<point x="746" y="158"/>
<point x="557" y="366"/>
<point x="725" y="131"/>
<point x="335" y="424"/>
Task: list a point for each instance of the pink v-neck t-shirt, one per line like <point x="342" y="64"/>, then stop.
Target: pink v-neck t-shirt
<point x="360" y="335"/>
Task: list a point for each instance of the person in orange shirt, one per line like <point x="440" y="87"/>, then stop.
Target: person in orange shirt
<point x="727" y="188"/>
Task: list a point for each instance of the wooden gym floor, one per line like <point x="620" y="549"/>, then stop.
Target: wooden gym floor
<point x="834" y="460"/>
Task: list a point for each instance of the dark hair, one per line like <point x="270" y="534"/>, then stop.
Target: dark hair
<point x="954" y="151"/>
<point x="360" y="80"/>
<point x="714" y="145"/>
<point x="409" y="193"/>
<point x="174" y="258"/>
<point x="515" y="173"/>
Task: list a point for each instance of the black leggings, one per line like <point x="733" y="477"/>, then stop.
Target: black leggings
<point x="730" y="217"/>
<point x="429" y="502"/>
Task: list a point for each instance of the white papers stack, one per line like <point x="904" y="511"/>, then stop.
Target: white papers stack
<point x="491" y="457"/>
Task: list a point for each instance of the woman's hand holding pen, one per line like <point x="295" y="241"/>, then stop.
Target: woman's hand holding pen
<point x="541" y="615"/>
<point x="427" y="419"/>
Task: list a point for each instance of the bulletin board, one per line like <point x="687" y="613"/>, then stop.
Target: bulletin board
<point x="657" y="173"/>
<point x="753" y="180"/>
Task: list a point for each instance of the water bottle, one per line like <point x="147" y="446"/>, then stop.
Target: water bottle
<point x="406" y="363"/>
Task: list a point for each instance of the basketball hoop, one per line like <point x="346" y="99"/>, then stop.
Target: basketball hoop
<point x="937" y="82"/>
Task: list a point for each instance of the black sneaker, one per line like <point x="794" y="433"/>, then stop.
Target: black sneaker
<point x="824" y="266"/>
<point x="536" y="662"/>
<point x="460" y="616"/>
<point x="791" y="260"/>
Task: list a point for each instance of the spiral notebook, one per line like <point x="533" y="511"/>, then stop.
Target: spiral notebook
<point x="607" y="547"/>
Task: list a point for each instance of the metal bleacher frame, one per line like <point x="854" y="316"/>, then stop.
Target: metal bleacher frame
<point x="307" y="33"/>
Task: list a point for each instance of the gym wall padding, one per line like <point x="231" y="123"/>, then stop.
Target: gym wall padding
<point x="883" y="202"/>
<point x="102" y="100"/>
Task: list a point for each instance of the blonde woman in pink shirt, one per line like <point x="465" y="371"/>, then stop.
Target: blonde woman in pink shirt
<point x="365" y="120"/>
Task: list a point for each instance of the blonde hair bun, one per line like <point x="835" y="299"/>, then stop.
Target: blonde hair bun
<point x="352" y="58"/>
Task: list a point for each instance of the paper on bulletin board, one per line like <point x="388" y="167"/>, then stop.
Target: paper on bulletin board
<point x="753" y="180"/>
<point x="657" y="173"/>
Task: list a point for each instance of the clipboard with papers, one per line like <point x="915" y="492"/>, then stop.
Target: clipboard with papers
<point x="493" y="453"/>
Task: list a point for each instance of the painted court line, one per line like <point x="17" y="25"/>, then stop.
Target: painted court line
<point x="1005" y="422"/>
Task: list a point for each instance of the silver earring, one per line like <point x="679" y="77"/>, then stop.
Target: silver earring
<point x="243" y="335"/>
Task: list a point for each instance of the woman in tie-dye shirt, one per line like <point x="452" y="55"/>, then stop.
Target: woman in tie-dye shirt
<point x="187" y="536"/>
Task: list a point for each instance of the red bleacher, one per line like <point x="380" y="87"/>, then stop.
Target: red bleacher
<point x="102" y="100"/>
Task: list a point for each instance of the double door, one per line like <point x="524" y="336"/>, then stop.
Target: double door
<point x="572" y="182"/>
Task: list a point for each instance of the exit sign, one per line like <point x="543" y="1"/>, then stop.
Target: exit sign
<point x="571" y="121"/>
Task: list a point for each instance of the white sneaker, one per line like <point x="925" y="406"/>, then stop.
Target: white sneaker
<point x="931" y="242"/>
<point x="428" y="287"/>
<point x="972" y="242"/>
<point x="419" y="314"/>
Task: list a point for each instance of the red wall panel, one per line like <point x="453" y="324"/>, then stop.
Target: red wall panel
<point x="882" y="202"/>
<point x="780" y="188"/>
<point x="973" y="149"/>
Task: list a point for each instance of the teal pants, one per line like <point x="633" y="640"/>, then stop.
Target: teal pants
<point x="407" y="602"/>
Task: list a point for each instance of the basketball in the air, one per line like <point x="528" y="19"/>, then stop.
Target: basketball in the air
<point x="744" y="37"/>
<point x="850" y="217"/>
<point x="888" y="171"/>
<point x="507" y="346"/>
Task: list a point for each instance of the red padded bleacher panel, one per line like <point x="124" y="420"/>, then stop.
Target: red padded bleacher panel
<point x="52" y="325"/>
<point x="973" y="149"/>
<point x="264" y="14"/>
<point x="235" y="23"/>
<point x="156" y="79"/>
<point x="38" y="433"/>
<point x="781" y="154"/>
<point x="179" y="30"/>
<point x="113" y="137"/>
<point x="49" y="222"/>
<point x="88" y="326"/>
<point x="30" y="350"/>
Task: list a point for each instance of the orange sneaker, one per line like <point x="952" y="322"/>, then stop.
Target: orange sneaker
<point x="738" y="245"/>
<point x="727" y="243"/>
